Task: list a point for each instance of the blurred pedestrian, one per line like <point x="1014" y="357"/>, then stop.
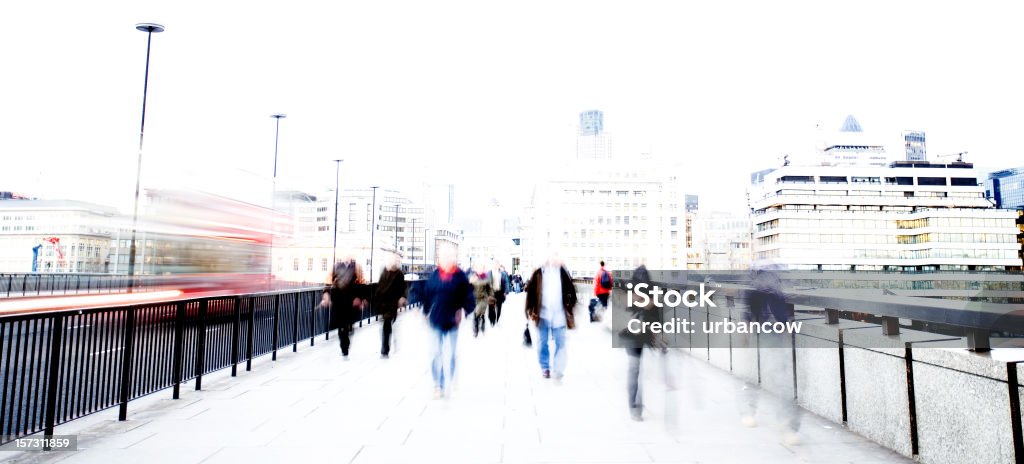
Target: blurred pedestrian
<point x="602" y="289"/>
<point x="346" y="296"/>
<point x="767" y="302"/>
<point x="483" y="293"/>
<point x="447" y="297"/>
<point x="500" y="282"/>
<point x="643" y="345"/>
<point x="389" y="296"/>
<point x="550" y="300"/>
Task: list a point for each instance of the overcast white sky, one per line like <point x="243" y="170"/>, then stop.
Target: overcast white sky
<point x="401" y="88"/>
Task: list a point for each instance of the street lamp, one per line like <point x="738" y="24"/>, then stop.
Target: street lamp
<point x="273" y="198"/>
<point x="149" y="29"/>
<point x="373" y="229"/>
<point x="337" y="183"/>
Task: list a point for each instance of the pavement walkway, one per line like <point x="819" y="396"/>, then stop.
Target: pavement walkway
<point x="315" y="405"/>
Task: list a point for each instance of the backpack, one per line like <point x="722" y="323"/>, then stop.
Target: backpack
<point x="606" y="280"/>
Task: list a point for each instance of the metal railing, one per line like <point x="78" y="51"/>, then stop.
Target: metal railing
<point x="51" y="284"/>
<point x="59" y="366"/>
<point x="45" y="284"/>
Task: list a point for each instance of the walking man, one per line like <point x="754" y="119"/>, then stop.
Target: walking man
<point x="550" y="299"/>
<point x="390" y="296"/>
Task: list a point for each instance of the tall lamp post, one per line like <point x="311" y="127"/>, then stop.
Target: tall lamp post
<point x="273" y="199"/>
<point x="149" y="29"/>
<point x="337" y="183"/>
<point x="373" y="229"/>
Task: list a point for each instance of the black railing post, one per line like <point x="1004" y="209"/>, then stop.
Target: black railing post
<point x="273" y="336"/>
<point x="52" y="377"/>
<point x="252" y="333"/>
<point x="235" y="334"/>
<point x="179" y="348"/>
<point x="128" y="349"/>
<point x="295" y="325"/>
<point x="201" y="344"/>
<point x="312" y="326"/>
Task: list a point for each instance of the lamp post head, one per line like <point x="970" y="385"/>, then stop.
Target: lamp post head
<point x="149" y="27"/>
<point x="279" y="116"/>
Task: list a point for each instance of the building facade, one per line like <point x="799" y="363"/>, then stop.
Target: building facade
<point x="55" y="236"/>
<point x="906" y="216"/>
<point x="1006" y="189"/>
<point x="625" y="212"/>
<point x="592" y="142"/>
<point x="913" y="144"/>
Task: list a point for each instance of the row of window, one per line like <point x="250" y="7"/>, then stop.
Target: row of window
<point x="882" y="239"/>
<point x="881" y="253"/>
<point x="876" y="224"/>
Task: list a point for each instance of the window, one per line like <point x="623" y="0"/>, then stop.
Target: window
<point x="295" y="264"/>
<point x="309" y="265"/>
<point x="673" y="221"/>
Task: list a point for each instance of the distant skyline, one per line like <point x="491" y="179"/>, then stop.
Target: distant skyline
<point x="486" y="95"/>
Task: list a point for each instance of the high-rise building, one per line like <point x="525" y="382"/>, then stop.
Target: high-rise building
<point x="592" y="142"/>
<point x="907" y="216"/>
<point x="913" y="142"/>
<point x="1006" y="188"/>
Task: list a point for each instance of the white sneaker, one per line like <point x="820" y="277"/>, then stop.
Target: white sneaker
<point x="791" y="438"/>
<point x="748" y="421"/>
<point x="438" y="393"/>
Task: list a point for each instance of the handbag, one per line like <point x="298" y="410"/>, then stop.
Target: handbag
<point x="527" y="340"/>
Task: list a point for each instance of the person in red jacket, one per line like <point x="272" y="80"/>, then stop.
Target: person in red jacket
<point x="602" y="288"/>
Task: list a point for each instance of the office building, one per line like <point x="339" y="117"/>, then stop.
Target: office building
<point x="54" y="236"/>
<point x="913" y="143"/>
<point x="625" y="212"/>
<point x="592" y="142"/>
<point x="906" y="216"/>
<point x="1006" y="188"/>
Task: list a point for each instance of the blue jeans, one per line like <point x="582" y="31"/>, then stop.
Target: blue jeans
<point x="544" y="332"/>
<point x="443" y="365"/>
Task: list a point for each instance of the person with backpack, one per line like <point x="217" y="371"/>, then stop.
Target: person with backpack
<point x="602" y="289"/>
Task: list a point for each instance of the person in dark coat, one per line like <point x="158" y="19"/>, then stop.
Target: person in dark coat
<point x="388" y="297"/>
<point x="346" y="296"/>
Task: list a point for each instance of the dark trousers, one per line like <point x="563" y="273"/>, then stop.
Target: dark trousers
<point x="499" y="298"/>
<point x="478" y="324"/>
<point x="385" y="343"/>
<point x="344" y="330"/>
